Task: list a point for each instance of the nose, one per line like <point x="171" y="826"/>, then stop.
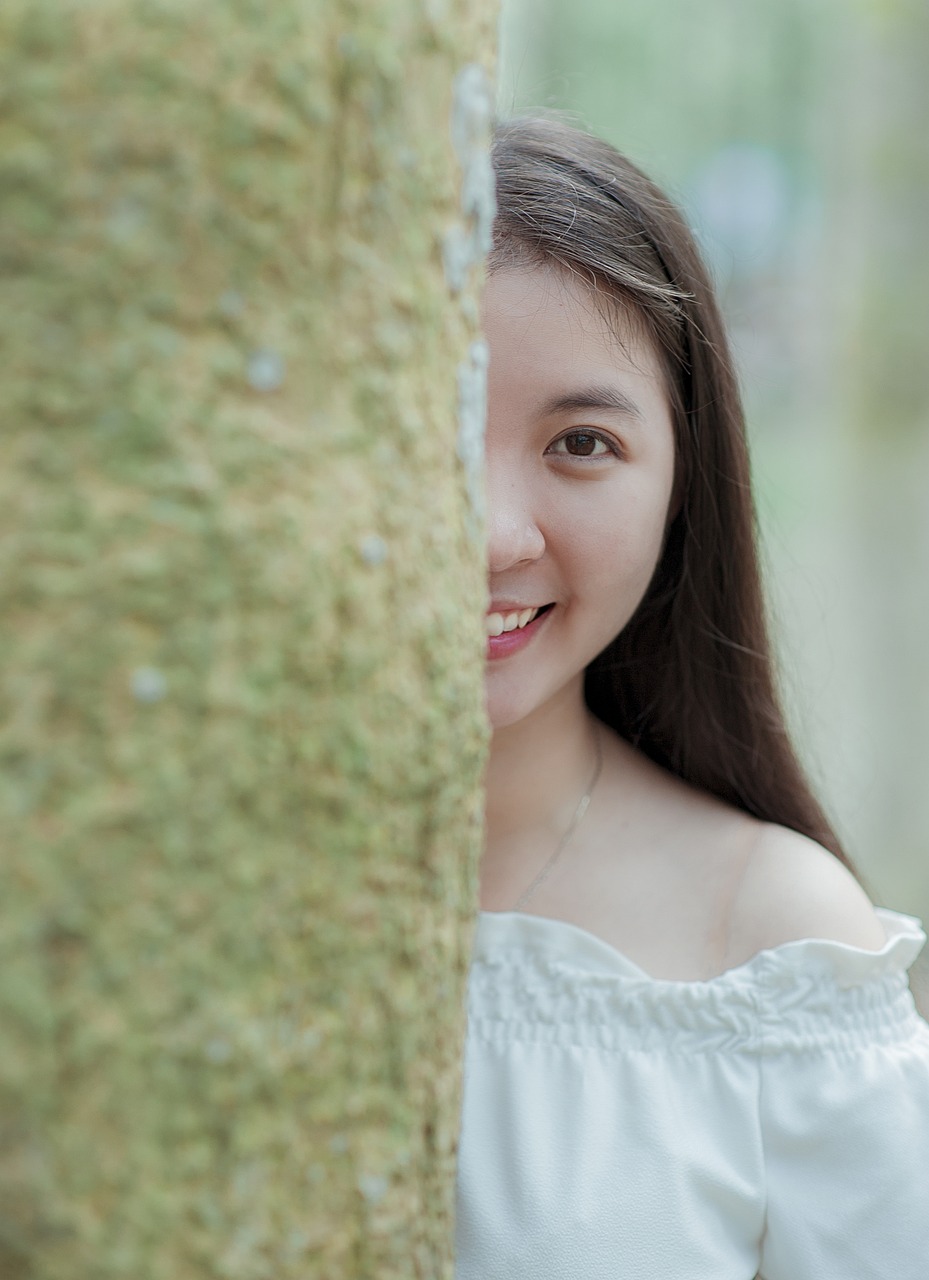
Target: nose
<point x="513" y="534"/>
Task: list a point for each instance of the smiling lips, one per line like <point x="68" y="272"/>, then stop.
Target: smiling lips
<point x="497" y="623"/>
<point x="508" y="632"/>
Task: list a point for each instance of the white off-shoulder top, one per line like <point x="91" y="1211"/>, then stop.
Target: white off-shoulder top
<point x="773" y="1120"/>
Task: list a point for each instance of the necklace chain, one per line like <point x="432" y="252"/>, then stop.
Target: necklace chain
<point x="579" y="812"/>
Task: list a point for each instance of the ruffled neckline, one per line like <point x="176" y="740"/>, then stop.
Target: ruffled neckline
<point x="570" y="945"/>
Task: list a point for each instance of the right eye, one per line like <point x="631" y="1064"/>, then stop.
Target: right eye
<point x="583" y="444"/>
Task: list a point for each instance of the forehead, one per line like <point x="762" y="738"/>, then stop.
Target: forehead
<point x="548" y="324"/>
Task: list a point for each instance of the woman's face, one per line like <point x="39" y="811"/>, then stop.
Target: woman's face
<point x="580" y="472"/>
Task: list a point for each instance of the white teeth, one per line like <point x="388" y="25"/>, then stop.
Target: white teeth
<point x="497" y="623"/>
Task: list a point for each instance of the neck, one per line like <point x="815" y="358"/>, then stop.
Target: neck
<point x="537" y="772"/>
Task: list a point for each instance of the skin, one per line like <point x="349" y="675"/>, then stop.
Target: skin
<point x="578" y="504"/>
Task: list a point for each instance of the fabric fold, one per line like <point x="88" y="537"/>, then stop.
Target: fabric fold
<point x="540" y="979"/>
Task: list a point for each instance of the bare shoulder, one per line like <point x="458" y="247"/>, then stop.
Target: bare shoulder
<point x="792" y="888"/>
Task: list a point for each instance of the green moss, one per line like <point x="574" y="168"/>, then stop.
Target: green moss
<point x="239" y="813"/>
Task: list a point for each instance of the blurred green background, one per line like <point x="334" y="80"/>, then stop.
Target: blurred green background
<point x="795" y="136"/>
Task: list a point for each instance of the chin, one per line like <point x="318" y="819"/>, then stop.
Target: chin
<point x="504" y="707"/>
<point x="509" y="702"/>
<point x="501" y="716"/>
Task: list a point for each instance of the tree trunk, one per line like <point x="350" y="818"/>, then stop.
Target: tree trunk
<point x="242" y="584"/>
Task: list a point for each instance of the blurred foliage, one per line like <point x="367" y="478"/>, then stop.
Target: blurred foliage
<point x="793" y="135"/>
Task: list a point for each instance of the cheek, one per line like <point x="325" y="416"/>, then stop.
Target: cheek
<point x="613" y="559"/>
<point x="620" y="539"/>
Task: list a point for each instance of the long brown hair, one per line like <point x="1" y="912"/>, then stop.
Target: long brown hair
<point x="690" y="680"/>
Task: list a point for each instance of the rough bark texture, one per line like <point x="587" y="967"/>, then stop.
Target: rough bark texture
<point x="242" y="583"/>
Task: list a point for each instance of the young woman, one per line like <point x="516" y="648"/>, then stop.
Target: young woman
<point x="692" y="1052"/>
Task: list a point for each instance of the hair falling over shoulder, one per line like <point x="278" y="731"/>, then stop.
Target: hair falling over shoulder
<point x="690" y="680"/>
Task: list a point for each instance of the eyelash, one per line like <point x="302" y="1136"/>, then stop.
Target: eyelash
<point x="610" y="444"/>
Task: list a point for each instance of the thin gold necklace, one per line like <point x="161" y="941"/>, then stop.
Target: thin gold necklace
<point x="579" y="812"/>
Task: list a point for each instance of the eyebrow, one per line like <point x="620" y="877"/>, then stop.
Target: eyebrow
<point x="596" y="397"/>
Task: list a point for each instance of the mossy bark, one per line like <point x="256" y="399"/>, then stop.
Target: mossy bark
<point x="242" y="584"/>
